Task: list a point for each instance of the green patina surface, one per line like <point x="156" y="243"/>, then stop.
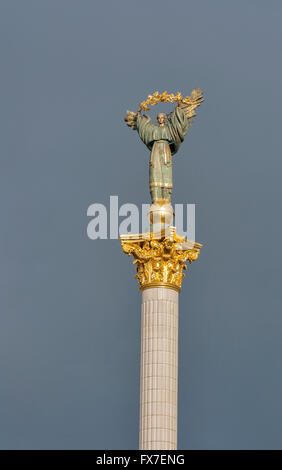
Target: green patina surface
<point x="163" y="142"/>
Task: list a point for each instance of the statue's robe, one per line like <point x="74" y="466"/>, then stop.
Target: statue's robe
<point x="163" y="142"/>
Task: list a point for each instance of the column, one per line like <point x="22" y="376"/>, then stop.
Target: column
<point x="159" y="369"/>
<point x="159" y="263"/>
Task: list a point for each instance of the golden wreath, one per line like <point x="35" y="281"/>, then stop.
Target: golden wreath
<point x="189" y="104"/>
<point x="166" y="97"/>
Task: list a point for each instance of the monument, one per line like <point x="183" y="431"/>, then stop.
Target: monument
<point x="160" y="256"/>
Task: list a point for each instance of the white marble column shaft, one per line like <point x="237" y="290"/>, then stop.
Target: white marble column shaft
<point x="159" y="369"/>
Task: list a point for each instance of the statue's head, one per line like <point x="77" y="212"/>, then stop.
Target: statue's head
<point x="161" y="118"/>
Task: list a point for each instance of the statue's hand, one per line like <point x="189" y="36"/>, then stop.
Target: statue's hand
<point x="131" y="119"/>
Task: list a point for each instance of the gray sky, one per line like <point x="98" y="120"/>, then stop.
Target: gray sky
<point x="70" y="319"/>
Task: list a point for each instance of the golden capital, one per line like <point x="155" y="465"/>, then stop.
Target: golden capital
<point x="160" y="262"/>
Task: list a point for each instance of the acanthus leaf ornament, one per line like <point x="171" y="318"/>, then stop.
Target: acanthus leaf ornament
<point x="160" y="262"/>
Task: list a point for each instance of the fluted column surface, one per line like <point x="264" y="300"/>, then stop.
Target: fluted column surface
<point x="159" y="369"/>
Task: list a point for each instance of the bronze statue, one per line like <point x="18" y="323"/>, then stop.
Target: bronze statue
<point x="163" y="140"/>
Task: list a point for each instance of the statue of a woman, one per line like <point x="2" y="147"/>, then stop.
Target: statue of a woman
<point x="163" y="140"/>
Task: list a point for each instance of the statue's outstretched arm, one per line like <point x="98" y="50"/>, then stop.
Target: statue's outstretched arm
<point x="191" y="103"/>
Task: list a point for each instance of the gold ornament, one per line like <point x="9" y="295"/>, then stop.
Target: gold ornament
<point x="194" y="100"/>
<point x="160" y="262"/>
<point x="189" y="104"/>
